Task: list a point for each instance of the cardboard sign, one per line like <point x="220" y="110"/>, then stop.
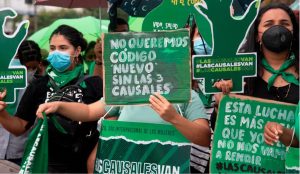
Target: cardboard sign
<point x="225" y="62"/>
<point x="131" y="147"/>
<point x="11" y="78"/>
<point x="138" y="64"/>
<point x="174" y="14"/>
<point x="239" y="146"/>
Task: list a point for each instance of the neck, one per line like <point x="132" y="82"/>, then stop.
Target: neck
<point x="275" y="60"/>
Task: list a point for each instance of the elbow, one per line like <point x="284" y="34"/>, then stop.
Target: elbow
<point x="204" y="138"/>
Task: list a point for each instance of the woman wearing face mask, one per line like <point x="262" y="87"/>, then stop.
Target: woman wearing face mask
<point x="29" y="54"/>
<point x="64" y="74"/>
<point x="275" y="38"/>
<point x="89" y="58"/>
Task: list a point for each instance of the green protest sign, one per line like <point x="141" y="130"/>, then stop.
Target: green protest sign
<point x="239" y="145"/>
<point x="35" y="159"/>
<point x="225" y="62"/>
<point x="173" y="15"/>
<point x="11" y="78"/>
<point x="131" y="147"/>
<point x="138" y="64"/>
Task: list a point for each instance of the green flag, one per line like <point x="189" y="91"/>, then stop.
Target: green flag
<point x="35" y="159"/>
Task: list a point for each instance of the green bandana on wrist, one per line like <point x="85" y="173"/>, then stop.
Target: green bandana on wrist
<point x="289" y="77"/>
<point x="63" y="78"/>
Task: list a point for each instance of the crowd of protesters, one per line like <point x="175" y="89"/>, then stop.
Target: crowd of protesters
<point x="68" y="87"/>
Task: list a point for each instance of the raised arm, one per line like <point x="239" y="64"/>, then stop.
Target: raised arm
<point x="73" y="110"/>
<point x="13" y="124"/>
<point x="196" y="131"/>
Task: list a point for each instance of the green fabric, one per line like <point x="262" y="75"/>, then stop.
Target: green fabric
<point x="292" y="160"/>
<point x="297" y="121"/>
<point x="63" y="78"/>
<point x="89" y="67"/>
<point x="57" y="125"/>
<point x="89" y="26"/>
<point x="285" y="75"/>
<point x="146" y="114"/>
<point x="35" y="159"/>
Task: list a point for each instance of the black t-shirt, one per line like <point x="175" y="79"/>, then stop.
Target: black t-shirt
<point x="62" y="157"/>
<point x="288" y="93"/>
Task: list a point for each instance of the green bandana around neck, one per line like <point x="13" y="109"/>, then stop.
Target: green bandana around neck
<point x="289" y="77"/>
<point x="63" y="78"/>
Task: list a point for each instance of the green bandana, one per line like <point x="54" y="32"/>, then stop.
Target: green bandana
<point x="289" y="77"/>
<point x="63" y="78"/>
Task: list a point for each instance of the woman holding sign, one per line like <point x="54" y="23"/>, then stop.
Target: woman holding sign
<point x="275" y="38"/>
<point x="64" y="81"/>
<point x="193" y="124"/>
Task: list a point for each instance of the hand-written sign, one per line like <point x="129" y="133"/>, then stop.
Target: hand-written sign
<point x="239" y="145"/>
<point x="11" y="78"/>
<point x="138" y="64"/>
<point x="131" y="147"/>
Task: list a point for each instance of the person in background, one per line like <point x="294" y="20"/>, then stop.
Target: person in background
<point x="30" y="56"/>
<point x="11" y="146"/>
<point x="199" y="162"/>
<point x="120" y="26"/>
<point x="64" y="81"/>
<point x="98" y="69"/>
<point x="89" y="58"/>
<point x="44" y="61"/>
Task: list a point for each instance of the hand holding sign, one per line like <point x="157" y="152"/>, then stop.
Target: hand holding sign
<point x="163" y="107"/>
<point x="11" y="78"/>
<point x="272" y="132"/>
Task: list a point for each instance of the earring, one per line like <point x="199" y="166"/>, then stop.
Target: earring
<point x="260" y="46"/>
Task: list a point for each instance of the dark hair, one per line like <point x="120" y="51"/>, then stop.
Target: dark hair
<point x="72" y="35"/>
<point x="90" y="46"/>
<point x="251" y="44"/>
<point x="113" y="24"/>
<point x="29" y="51"/>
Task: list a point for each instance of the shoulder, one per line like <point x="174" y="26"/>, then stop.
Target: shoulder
<point x="38" y="84"/>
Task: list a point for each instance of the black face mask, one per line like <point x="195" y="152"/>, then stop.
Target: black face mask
<point x="277" y="38"/>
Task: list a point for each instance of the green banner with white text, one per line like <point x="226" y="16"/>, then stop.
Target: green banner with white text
<point x="138" y="64"/>
<point x="131" y="147"/>
<point x="239" y="146"/>
<point x="12" y="77"/>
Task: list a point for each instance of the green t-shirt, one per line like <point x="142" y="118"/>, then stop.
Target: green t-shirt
<point x="134" y="113"/>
